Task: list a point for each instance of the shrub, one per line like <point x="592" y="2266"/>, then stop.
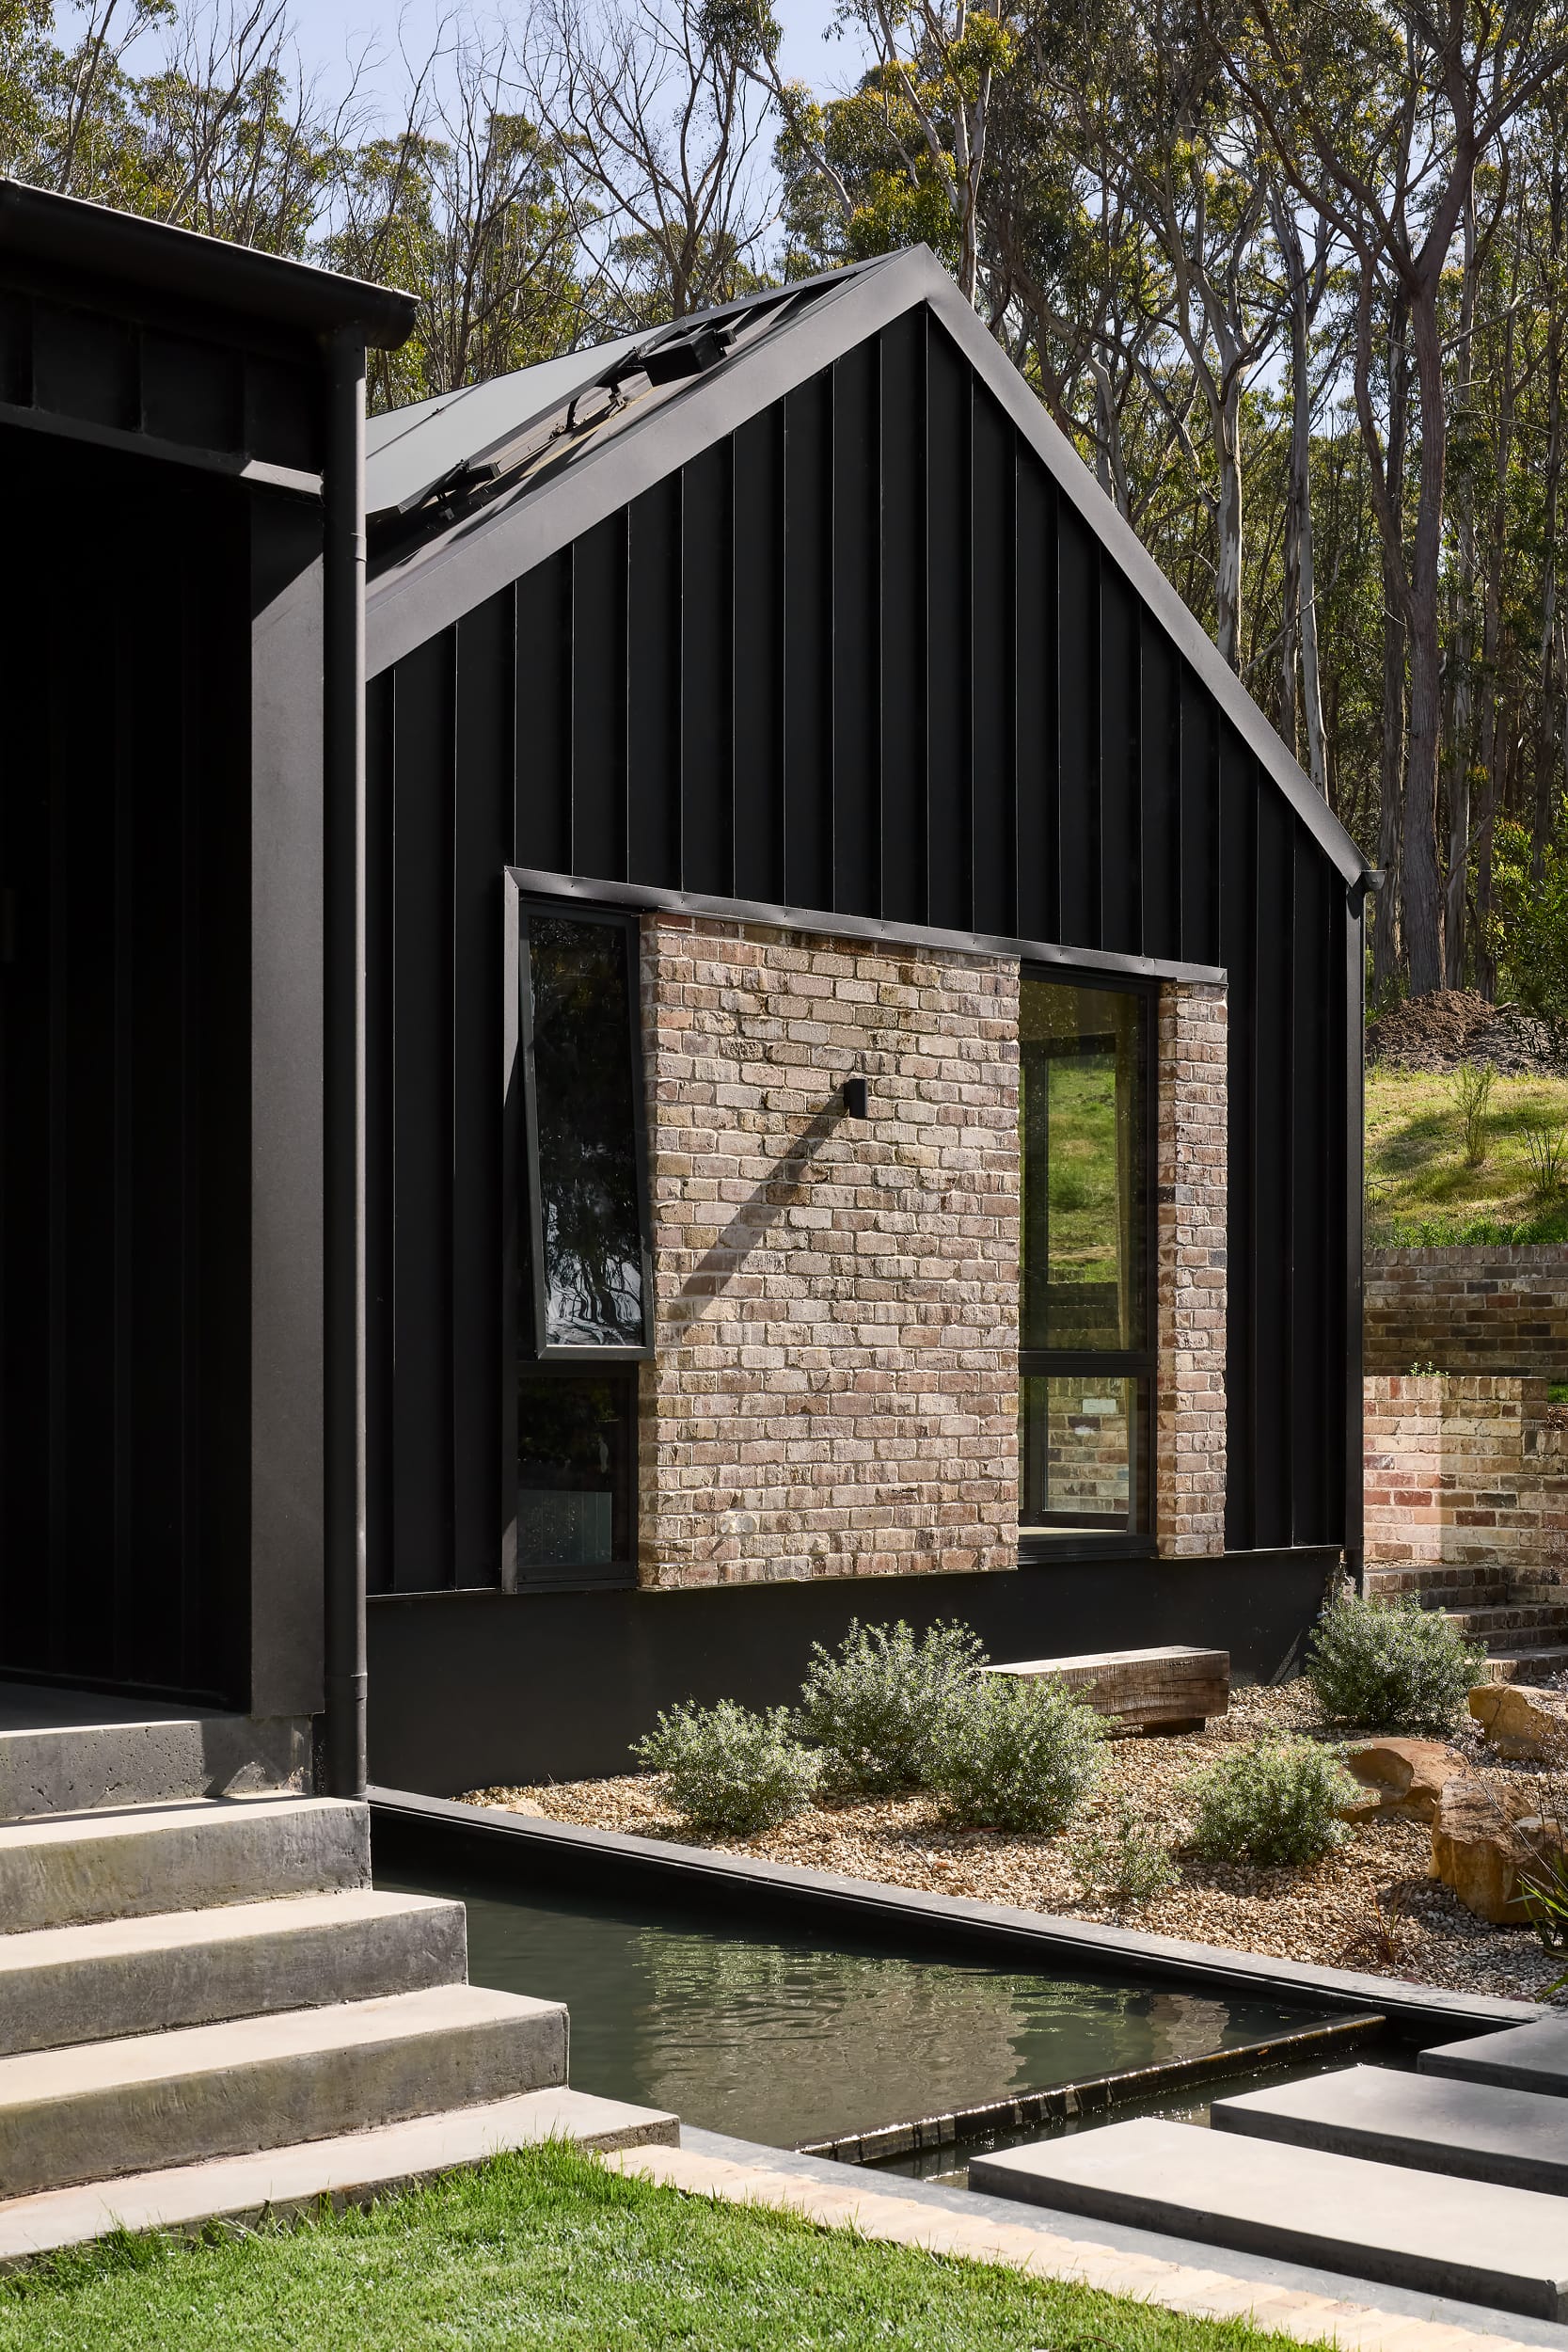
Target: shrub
<point x="1015" y="1754"/>
<point x="1471" y="1089"/>
<point x="1391" y="1665"/>
<point x="1546" y="1146"/>
<point x="873" y="1708"/>
<point x="729" y="1769"/>
<point x="1126" y="1861"/>
<point x="1278" y="1802"/>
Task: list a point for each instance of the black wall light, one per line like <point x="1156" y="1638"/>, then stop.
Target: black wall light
<point x="854" y="1099"/>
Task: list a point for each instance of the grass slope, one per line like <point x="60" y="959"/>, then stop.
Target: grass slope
<point x="1419" y="1192"/>
<point x="549" y="2248"/>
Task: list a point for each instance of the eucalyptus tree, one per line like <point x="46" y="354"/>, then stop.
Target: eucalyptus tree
<point x="1378" y="116"/>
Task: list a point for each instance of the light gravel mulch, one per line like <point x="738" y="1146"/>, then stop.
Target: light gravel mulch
<point x="1368" y="1905"/>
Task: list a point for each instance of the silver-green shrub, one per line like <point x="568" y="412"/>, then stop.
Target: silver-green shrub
<point x="731" y="1770"/>
<point x="1016" y="1754"/>
<point x="1125" y="1860"/>
<point x="1391" y="1665"/>
<point x="875" y="1706"/>
<point x="1274" y="1802"/>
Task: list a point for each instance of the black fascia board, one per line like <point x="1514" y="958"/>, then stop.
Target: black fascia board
<point x="64" y="233"/>
<point x="453" y="572"/>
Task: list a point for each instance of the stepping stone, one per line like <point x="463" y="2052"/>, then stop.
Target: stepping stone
<point x="1504" y="2247"/>
<point x="1522" y="2057"/>
<point x="1474" y="2131"/>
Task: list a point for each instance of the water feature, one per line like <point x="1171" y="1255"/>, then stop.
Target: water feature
<point x="775" y="2036"/>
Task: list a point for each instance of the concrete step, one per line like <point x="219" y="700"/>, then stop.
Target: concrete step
<point x="353" y="2169"/>
<point x="1527" y="1664"/>
<point x="71" y="1871"/>
<point x="1506" y="2248"/>
<point x="1473" y="2131"/>
<point x="1487" y="1624"/>
<point x="76" y="1763"/>
<point x="1521" y="2057"/>
<point x="100" y="2108"/>
<point x="120" y="1977"/>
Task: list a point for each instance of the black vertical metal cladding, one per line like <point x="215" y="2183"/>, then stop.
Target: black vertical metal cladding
<point x="485" y="761"/>
<point x="992" y="750"/>
<point x="707" y="782"/>
<point x="542" y="822"/>
<point x="901" y="614"/>
<point x="1203" y="865"/>
<point x="1035" y="701"/>
<point x="1275" y="1371"/>
<point x="758" y="749"/>
<point x="654" y="686"/>
<point x="949" y="643"/>
<point x="1158" y="791"/>
<point x="808" y="644"/>
<point x="598" y="701"/>
<point x="1078" y="730"/>
<point x="856" y="646"/>
<point x="1120" y="812"/>
<point x="380" y="1094"/>
<point x="424" y="1022"/>
<point x="1235" y="830"/>
<point x="1315" y="989"/>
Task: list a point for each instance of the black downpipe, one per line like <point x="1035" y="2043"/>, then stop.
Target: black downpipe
<point x="343" y="597"/>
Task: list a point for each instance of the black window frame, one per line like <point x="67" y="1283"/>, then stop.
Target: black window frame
<point x="1137" y="1364"/>
<point x="526" y="1350"/>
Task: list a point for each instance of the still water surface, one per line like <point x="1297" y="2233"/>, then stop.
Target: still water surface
<point x="776" y="2037"/>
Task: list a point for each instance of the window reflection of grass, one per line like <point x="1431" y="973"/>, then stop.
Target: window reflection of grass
<point x="1083" y="1202"/>
<point x="1419" y="1189"/>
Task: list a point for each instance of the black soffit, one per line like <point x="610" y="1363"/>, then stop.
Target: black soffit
<point x="457" y="569"/>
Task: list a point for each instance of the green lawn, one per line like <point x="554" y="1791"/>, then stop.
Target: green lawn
<point x="1419" y="1190"/>
<point x="549" y="2248"/>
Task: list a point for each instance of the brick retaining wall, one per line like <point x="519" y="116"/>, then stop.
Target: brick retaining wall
<point x="1465" y="1470"/>
<point x="1468" y="1310"/>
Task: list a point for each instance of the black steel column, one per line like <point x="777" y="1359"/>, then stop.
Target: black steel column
<point x="344" y="588"/>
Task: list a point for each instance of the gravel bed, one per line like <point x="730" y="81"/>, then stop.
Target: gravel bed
<point x="1368" y="1905"/>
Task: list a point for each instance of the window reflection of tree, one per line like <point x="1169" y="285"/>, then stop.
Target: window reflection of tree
<point x="587" y="1148"/>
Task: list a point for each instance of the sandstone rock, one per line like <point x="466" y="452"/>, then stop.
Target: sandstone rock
<point x="1518" y="1722"/>
<point x="1480" y="1847"/>
<point x="1402" y="1777"/>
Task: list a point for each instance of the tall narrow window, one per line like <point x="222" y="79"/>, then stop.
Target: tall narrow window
<point x="585" y="1290"/>
<point x="1085" y="1364"/>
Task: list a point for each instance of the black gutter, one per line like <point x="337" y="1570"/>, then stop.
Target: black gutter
<point x="64" y="233"/>
<point x="609" y="1861"/>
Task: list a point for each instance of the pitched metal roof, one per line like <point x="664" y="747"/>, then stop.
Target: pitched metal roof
<point x="63" y="231"/>
<point x="544" y="475"/>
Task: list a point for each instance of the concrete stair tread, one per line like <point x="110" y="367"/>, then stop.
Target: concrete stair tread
<point x="164" y="1970"/>
<point x="222" y="2048"/>
<point x="1431" y="2124"/>
<point x="90" y="2109"/>
<point x="63" y="1752"/>
<point x="1506" y="1662"/>
<point x="1503" y="2247"/>
<point x="1522" y="2057"/>
<point x="69" y="1870"/>
<point x="350" y="2168"/>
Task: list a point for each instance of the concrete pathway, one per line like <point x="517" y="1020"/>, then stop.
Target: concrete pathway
<point x="1291" y="2299"/>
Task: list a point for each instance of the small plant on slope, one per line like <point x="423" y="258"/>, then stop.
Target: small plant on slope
<point x="1127" y="1862"/>
<point x="1391" y="1664"/>
<point x="1016" y="1754"/>
<point x="873" y="1708"/>
<point x="729" y="1770"/>
<point x="1275" y="1803"/>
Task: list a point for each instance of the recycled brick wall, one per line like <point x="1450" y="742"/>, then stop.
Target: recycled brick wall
<point x="1468" y="1310"/>
<point x="1465" y="1470"/>
<point x="1189" y="1488"/>
<point x="834" y="1383"/>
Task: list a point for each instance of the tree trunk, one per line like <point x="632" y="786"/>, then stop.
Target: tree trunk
<point x="1228" y="523"/>
<point x="1300" y="511"/>
<point x="1390" y="828"/>
<point x="1421" y="891"/>
<point x="1545" y="744"/>
<point x="1464" y="628"/>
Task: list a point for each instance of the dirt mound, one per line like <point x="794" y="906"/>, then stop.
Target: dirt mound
<point x="1457" y="1024"/>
